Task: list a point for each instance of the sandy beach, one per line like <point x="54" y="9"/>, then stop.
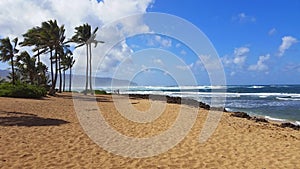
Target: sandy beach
<point x="46" y="133"/>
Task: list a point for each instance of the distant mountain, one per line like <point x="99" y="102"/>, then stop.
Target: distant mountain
<point x="79" y="80"/>
<point x="4" y="74"/>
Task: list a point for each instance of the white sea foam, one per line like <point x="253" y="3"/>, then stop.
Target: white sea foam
<point x="275" y="119"/>
<point x="256" y="87"/>
<point x="288" y="98"/>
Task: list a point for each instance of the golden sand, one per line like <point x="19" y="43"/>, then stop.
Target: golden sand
<point x="47" y="134"/>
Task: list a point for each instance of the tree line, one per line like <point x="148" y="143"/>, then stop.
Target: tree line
<point x="48" y="39"/>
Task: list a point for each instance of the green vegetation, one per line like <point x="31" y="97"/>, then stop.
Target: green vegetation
<point x="95" y="92"/>
<point x="22" y="90"/>
<point x="101" y="92"/>
<point x="27" y="68"/>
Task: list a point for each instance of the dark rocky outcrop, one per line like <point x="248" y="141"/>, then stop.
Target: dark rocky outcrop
<point x="172" y="100"/>
<point x="241" y="115"/>
<point x="175" y="100"/>
<point x="290" y="125"/>
<point x="139" y="96"/>
<point x="259" y="119"/>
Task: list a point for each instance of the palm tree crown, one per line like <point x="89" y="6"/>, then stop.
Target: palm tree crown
<point x="7" y="53"/>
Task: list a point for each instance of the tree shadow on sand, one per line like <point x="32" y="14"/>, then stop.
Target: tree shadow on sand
<point x="27" y="120"/>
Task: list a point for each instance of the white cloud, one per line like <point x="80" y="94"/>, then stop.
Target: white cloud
<point x="260" y="65"/>
<point x="164" y="42"/>
<point x="120" y="53"/>
<point x="236" y="61"/>
<point x="242" y="17"/>
<point x="184" y="68"/>
<point x="287" y="42"/>
<point x="17" y="16"/>
<point x="158" y="62"/>
<point x="272" y="31"/>
<point x="240" y="55"/>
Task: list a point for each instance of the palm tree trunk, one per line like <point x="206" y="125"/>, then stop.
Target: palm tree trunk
<point x="38" y="56"/>
<point x="39" y="71"/>
<point x="64" y="80"/>
<point x="52" y="90"/>
<point x="56" y="71"/>
<point x="70" y="79"/>
<point x="87" y="69"/>
<point x="91" y="68"/>
<point x="51" y="63"/>
<point x="60" y="76"/>
<point x="12" y="69"/>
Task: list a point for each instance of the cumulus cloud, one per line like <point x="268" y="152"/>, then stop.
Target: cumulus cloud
<point x="158" y="62"/>
<point x="287" y="42"/>
<point x="260" y="65"/>
<point x="237" y="60"/>
<point x="240" y="55"/>
<point x="120" y="53"/>
<point x="17" y="16"/>
<point x="22" y="15"/>
<point x="164" y="42"/>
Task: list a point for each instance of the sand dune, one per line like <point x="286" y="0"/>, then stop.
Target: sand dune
<point x="47" y="134"/>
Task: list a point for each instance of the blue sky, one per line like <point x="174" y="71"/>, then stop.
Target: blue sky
<point x="257" y="41"/>
<point x="256" y="25"/>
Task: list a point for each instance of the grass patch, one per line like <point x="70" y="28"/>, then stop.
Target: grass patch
<point x="22" y="91"/>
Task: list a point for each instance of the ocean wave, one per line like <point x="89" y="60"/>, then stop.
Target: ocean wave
<point x="256" y="87"/>
<point x="282" y="120"/>
<point x="288" y="98"/>
<point x="276" y="119"/>
<point x="164" y="91"/>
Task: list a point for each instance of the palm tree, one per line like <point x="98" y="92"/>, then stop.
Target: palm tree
<point x="84" y="36"/>
<point x="33" y="38"/>
<point x="7" y="53"/>
<point x="91" y="40"/>
<point x="52" y="36"/>
<point x="68" y="62"/>
<point x="27" y="68"/>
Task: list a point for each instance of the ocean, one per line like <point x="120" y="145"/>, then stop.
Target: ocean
<point x="274" y="102"/>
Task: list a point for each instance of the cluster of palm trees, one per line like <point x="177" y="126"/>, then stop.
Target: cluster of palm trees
<point x="49" y="38"/>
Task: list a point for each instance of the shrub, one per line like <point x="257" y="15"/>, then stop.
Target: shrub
<point x="100" y="92"/>
<point x="22" y="90"/>
<point x="95" y="91"/>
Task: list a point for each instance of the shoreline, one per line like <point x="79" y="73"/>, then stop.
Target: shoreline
<point x="257" y="118"/>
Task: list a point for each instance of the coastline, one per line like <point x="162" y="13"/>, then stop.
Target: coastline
<point x="257" y="118"/>
<point x="58" y="140"/>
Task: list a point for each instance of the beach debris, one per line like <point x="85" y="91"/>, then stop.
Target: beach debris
<point x="290" y="125"/>
<point x="241" y="115"/>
